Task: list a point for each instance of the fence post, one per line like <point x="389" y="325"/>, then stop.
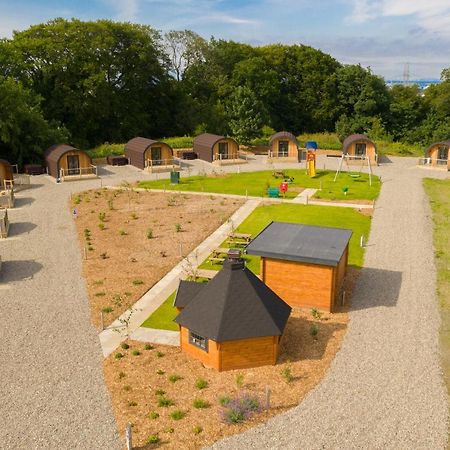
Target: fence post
<point x="343" y="298"/>
<point x="101" y="320"/>
<point x="181" y="249"/>
<point x="268" y="397"/>
<point x="128" y="437"/>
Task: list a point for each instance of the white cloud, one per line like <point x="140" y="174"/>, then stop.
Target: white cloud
<point x="126" y="10"/>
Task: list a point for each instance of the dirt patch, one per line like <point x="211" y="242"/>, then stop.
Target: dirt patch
<point x="135" y="380"/>
<point x="130" y="240"/>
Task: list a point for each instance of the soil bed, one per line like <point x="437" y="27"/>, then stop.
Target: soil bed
<point x="132" y="239"/>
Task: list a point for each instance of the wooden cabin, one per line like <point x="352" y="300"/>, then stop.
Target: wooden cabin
<point x="6" y="174"/>
<point x="436" y="155"/>
<point x="232" y="322"/>
<point x="154" y="156"/>
<point x="360" y="146"/>
<point x="216" y="149"/>
<point x="66" y="163"/>
<point x="305" y="265"/>
<point x="283" y="146"/>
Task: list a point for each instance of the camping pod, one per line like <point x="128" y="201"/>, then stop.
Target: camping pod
<point x="359" y="146"/>
<point x="65" y="162"/>
<point x="145" y="153"/>
<point x="436" y="155"/>
<point x="232" y="322"/>
<point x="214" y="148"/>
<point x="283" y="146"/>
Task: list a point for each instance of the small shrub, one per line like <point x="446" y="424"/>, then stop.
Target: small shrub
<point x="128" y="294"/>
<point x="122" y="375"/>
<point x="104" y="255"/>
<point x="101" y="216"/>
<point x="201" y="383"/>
<point x="148" y="347"/>
<point x="160" y="392"/>
<point x="132" y="403"/>
<point x="118" y="355"/>
<point x="169" y="430"/>
<point x="316" y="314"/>
<point x="197" y="429"/>
<point x="107" y="309"/>
<point x="122" y="232"/>
<point x="87" y="232"/>
<point x="314" y="331"/>
<point x="159" y="354"/>
<point x="77" y="200"/>
<point x="90" y="248"/>
<point x="137" y="282"/>
<point x="134" y="216"/>
<point x="163" y="253"/>
<point x="101" y="226"/>
<point x="127" y="388"/>
<point x="200" y="404"/>
<point x="153" y="439"/>
<point x="100" y="294"/>
<point x="149" y="233"/>
<point x="178" y="227"/>
<point x="135" y="352"/>
<point x="287" y="374"/>
<point x="164" y="402"/>
<point x="160" y="371"/>
<point x="177" y="414"/>
<point x="224" y="400"/>
<point x="174" y="378"/>
<point x="125" y="346"/>
<point x="240" y="408"/>
<point x="110" y="204"/>
<point x="239" y="380"/>
<point x="153" y="415"/>
<point x="98" y="283"/>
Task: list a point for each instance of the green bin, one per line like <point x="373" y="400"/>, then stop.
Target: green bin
<point x="174" y="177"/>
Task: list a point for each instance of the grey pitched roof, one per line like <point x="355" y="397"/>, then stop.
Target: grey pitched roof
<point x="235" y="304"/>
<point x="186" y="291"/>
<point x="298" y="242"/>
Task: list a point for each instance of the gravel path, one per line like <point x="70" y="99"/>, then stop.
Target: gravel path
<point x="384" y="389"/>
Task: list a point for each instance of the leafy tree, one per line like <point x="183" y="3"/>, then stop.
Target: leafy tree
<point x="24" y="133"/>
<point x="244" y="112"/>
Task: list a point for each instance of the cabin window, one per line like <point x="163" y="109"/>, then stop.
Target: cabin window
<point x="443" y="153"/>
<point x="360" y="149"/>
<point x="73" y="165"/>
<point x="223" y="149"/>
<point x="283" y="148"/>
<point x="198" y="341"/>
<point x="156" y="156"/>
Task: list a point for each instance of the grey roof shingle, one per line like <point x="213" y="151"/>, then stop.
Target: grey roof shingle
<point x="235" y="304"/>
<point x="298" y="242"/>
<point x="186" y="291"/>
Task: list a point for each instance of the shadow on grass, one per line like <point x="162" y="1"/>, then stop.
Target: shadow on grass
<point x="19" y="270"/>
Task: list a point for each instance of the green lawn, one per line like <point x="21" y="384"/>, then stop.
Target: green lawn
<point x="330" y="216"/>
<point x="162" y="318"/>
<point x="256" y="183"/>
<point x="439" y="194"/>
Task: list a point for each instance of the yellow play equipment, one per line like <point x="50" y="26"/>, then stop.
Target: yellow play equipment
<point x="311" y="163"/>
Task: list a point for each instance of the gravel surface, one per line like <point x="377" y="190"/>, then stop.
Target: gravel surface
<point x="384" y="389"/>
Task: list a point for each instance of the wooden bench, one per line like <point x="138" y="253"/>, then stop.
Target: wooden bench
<point x="214" y="259"/>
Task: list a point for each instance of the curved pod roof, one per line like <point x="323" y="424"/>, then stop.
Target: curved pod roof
<point x="443" y="143"/>
<point x="54" y="153"/>
<point x="283" y="135"/>
<point x="135" y="149"/>
<point x="353" y="138"/>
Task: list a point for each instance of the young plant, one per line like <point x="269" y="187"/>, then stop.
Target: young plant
<point x="160" y="392"/>
<point x="137" y="282"/>
<point x="287" y="374"/>
<point x="134" y="216"/>
<point x="224" y="400"/>
<point x="135" y="352"/>
<point x="149" y="233"/>
<point x="201" y="383"/>
<point x="101" y="216"/>
<point x="127" y="388"/>
<point x="100" y="294"/>
<point x="148" y="347"/>
<point x="132" y="403"/>
<point x="118" y="355"/>
<point x="160" y="371"/>
<point x="314" y="331"/>
<point x="178" y="228"/>
<point x="239" y="380"/>
<point x="153" y="415"/>
<point x="316" y="314"/>
<point x="159" y="354"/>
<point x="107" y="310"/>
<point x="174" y="378"/>
<point x="101" y="226"/>
<point x="121" y="375"/>
<point x="177" y="414"/>
<point x="241" y="408"/>
<point x="198" y="403"/>
<point x="122" y="232"/>
<point x="197" y="429"/>
<point x="164" y="402"/>
<point x="125" y="346"/>
<point x="104" y="255"/>
<point x="153" y="439"/>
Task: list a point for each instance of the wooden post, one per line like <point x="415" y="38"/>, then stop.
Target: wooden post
<point x="128" y="437"/>
<point x="101" y="320"/>
<point x="268" y="392"/>
<point x="181" y="249"/>
<point x="343" y="298"/>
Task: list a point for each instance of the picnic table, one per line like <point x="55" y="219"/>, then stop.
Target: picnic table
<point x="238" y="239"/>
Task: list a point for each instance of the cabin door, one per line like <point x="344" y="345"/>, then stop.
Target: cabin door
<point x="360" y="149"/>
<point x="443" y="153"/>
<point x="223" y="150"/>
<point x="283" y="148"/>
<point x="73" y="165"/>
<point x="156" y="156"/>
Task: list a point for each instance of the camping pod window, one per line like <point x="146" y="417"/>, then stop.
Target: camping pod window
<point x="198" y="341"/>
<point x="360" y="149"/>
<point x="283" y="148"/>
<point x="223" y="149"/>
<point x="443" y="153"/>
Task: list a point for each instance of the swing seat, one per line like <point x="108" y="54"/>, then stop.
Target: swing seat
<point x="355" y="175"/>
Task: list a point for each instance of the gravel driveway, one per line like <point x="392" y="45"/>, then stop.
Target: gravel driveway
<point x="384" y="389"/>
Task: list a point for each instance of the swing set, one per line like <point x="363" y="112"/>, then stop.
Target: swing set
<point x="363" y="159"/>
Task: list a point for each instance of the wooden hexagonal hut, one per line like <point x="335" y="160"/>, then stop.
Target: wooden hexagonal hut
<point x="215" y="148"/>
<point x="360" y="146"/>
<point x="436" y="155"/>
<point x="283" y="146"/>
<point x="65" y="163"/>
<point x="145" y="153"/>
<point x="232" y="322"/>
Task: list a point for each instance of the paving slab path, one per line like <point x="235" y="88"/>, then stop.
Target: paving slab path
<point x="384" y="389"/>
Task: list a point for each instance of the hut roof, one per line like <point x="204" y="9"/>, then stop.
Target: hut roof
<point x="187" y="290"/>
<point x="4" y="161"/>
<point x="235" y="304"/>
<point x="446" y="143"/>
<point x="207" y="140"/>
<point x="140" y="144"/>
<point x="303" y="243"/>
<point x="283" y="135"/>
<point x="349" y="140"/>
<point x="54" y="153"/>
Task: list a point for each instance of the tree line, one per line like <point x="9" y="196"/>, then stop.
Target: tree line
<point x="101" y="81"/>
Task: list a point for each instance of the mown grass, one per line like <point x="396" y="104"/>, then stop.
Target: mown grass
<point x="328" y="216"/>
<point x="162" y="318"/>
<point x="439" y="194"/>
<point x="256" y="184"/>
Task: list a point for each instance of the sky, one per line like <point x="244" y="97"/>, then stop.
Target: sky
<point x="384" y="35"/>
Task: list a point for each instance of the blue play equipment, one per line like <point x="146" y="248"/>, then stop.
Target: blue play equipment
<point x="311" y="145"/>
